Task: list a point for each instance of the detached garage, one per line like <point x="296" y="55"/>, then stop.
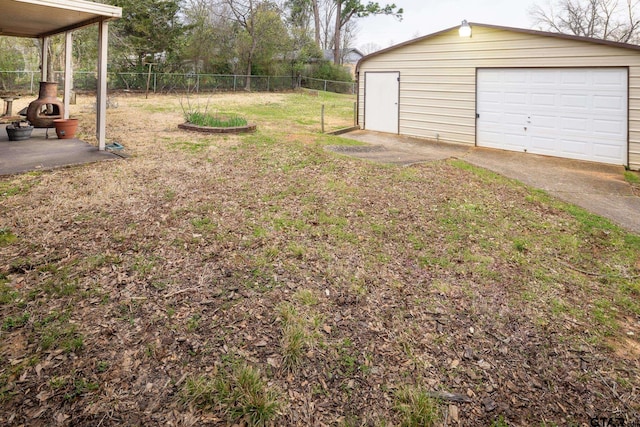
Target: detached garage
<point x="508" y="88"/>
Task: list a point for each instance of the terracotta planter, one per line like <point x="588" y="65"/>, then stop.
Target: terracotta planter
<point x="19" y="133"/>
<point x="66" y="128"/>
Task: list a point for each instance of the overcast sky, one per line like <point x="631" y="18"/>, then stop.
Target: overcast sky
<point x="422" y="17"/>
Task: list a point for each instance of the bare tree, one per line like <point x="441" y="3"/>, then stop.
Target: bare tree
<point x="603" y="19"/>
<point x="370" y="48"/>
<point x="244" y="13"/>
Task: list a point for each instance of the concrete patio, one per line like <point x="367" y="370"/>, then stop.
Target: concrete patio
<point x="40" y="153"/>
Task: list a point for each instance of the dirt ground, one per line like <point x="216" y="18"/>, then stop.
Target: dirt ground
<point x="134" y="292"/>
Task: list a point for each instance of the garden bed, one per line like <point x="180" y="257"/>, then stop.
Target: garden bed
<point x="251" y="127"/>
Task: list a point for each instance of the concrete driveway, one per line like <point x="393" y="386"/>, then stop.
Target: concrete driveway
<point x="598" y="188"/>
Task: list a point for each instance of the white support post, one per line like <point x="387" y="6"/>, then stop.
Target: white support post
<point x="68" y="73"/>
<point x="101" y="96"/>
<point x="45" y="59"/>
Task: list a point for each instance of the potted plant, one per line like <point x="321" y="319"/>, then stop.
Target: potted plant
<point x="66" y="128"/>
<point x="19" y="130"/>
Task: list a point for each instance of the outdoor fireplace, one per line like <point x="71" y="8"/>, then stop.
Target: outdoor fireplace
<point x="44" y="110"/>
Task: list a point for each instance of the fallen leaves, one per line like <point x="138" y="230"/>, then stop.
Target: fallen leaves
<point x="180" y="259"/>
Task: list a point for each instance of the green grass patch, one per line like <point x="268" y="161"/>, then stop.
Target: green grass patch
<point x="55" y="331"/>
<point x="631" y="177"/>
<point x="6" y="237"/>
<point x="20" y="185"/>
<point x="15" y="322"/>
<point x="7" y="293"/>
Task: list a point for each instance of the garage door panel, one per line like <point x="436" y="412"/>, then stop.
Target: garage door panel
<point x="543" y="99"/>
<point x="514" y="119"/>
<point x="607" y="151"/>
<point x="515" y="78"/>
<point x="610" y="128"/>
<point x="516" y="98"/>
<point x="605" y="103"/>
<point x="575" y="148"/>
<point x="573" y="79"/>
<point x="514" y="142"/>
<point x="574" y="101"/>
<point x="543" y="78"/>
<point x="573" y="124"/>
<point x="549" y="123"/>
<point x="579" y="113"/>
<point x="609" y="78"/>
<point x="543" y="145"/>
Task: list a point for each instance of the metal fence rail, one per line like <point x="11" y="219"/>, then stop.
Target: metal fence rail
<point x="27" y="81"/>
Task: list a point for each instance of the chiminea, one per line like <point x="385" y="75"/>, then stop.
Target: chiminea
<point x="44" y="110"/>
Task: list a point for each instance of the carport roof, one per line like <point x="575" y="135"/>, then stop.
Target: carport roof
<point x="41" y="18"/>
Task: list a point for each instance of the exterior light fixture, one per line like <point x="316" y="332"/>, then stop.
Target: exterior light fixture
<point x="465" y="29"/>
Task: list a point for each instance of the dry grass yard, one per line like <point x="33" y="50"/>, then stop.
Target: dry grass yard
<point x="262" y="280"/>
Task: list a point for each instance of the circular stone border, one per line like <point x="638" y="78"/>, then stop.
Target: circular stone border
<point x="209" y="129"/>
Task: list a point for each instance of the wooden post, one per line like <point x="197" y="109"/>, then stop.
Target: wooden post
<point x="150" y="64"/>
<point x="101" y="107"/>
<point x="355" y="114"/>
<point x="322" y="120"/>
<point x="68" y="73"/>
<point x="44" y="64"/>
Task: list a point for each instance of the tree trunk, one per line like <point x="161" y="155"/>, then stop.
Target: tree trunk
<point x="316" y="20"/>
<point x="336" y="34"/>
<point x="247" y="85"/>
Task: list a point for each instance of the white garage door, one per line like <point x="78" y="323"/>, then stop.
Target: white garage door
<point x="578" y="113"/>
<point x="381" y="93"/>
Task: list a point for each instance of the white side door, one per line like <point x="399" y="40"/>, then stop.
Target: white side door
<point x="381" y="98"/>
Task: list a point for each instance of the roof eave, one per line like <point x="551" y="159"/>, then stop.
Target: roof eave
<point x="83" y="6"/>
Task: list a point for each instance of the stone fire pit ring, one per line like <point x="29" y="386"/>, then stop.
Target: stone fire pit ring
<point x="249" y="128"/>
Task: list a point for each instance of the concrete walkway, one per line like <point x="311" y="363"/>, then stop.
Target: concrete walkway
<point x="598" y="188"/>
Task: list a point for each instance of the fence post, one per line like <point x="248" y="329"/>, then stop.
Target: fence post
<point x="268" y="83"/>
<point x="322" y="119"/>
<point x="234" y="82"/>
<point x="32" y="73"/>
<point x="155" y="82"/>
<point x="325" y="85"/>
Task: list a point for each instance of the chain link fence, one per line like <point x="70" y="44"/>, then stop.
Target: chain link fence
<point x="83" y="81"/>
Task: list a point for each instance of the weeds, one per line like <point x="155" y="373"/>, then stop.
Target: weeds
<point x="218" y="120"/>
<point x="294" y="336"/>
<point x="238" y="391"/>
<point x="417" y="408"/>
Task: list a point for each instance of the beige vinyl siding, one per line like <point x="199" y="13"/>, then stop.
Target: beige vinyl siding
<point x="438" y="77"/>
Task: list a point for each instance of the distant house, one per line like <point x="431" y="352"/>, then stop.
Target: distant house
<point x="349" y="57"/>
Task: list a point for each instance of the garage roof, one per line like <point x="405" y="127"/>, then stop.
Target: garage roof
<point x="497" y="27"/>
<point x="40" y="18"/>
